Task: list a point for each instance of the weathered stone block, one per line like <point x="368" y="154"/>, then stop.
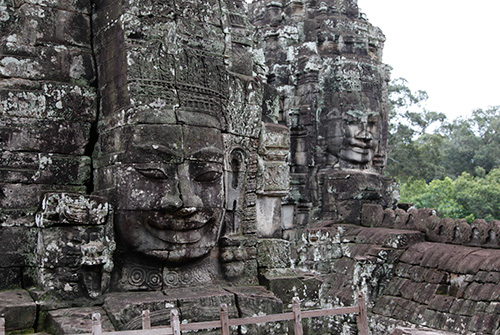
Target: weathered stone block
<point x="65" y="209"/>
<point x="401" y="220"/>
<point x="273" y="253"/>
<point x="385" y="305"/>
<point x="17" y="217"/>
<point x="372" y="215"/>
<point x="64" y="246"/>
<point x="64" y="101"/>
<point x="388" y="218"/>
<point x="75" y="320"/>
<point x="317" y="249"/>
<point x="63" y="64"/>
<point x="436" y="277"/>
<point x="441" y="303"/>
<point x="487" y="277"/>
<point x="71" y="286"/>
<point x="18" y="247"/>
<point x="18" y="309"/>
<point x="20" y="167"/>
<point x="289" y="283"/>
<point x="426" y="293"/>
<point x="397" y="239"/>
<point x="125" y="309"/>
<point x="72" y="5"/>
<point x="10" y="278"/>
<point x="53" y="26"/>
<point x="46" y="136"/>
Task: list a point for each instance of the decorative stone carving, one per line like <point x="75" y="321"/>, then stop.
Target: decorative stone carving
<point x="178" y="138"/>
<point x="75" y="246"/>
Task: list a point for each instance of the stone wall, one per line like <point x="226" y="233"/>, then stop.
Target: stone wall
<point x="48" y="110"/>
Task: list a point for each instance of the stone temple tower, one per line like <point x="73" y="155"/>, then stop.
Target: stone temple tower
<point x="324" y="60"/>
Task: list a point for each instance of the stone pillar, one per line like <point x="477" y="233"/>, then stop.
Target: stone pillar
<point x="324" y="60"/>
<point x="273" y="178"/>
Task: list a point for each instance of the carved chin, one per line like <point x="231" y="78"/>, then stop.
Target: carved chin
<point x="181" y="254"/>
<point x="357" y="155"/>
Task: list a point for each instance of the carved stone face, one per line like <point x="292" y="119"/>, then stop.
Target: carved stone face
<point x="361" y="133"/>
<point x="170" y="193"/>
<point x="352" y="137"/>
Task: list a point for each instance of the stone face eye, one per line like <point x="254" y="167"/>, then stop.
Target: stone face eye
<point x="208" y="176"/>
<point x="152" y="173"/>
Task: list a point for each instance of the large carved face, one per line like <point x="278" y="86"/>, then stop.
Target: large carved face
<point x="361" y="133"/>
<point x="170" y="196"/>
<point x="352" y="137"/>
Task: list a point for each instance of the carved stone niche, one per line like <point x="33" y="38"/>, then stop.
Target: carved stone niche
<point x="75" y="247"/>
<point x="273" y="178"/>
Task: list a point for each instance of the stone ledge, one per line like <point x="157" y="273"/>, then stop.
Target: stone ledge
<point x="419" y="331"/>
<point x="18" y="309"/>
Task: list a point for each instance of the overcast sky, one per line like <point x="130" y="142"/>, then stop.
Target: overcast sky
<point x="449" y="48"/>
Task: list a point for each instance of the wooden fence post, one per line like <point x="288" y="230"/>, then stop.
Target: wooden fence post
<point x="297" y="317"/>
<point x="362" y="317"/>
<point x="146" y="320"/>
<point x="174" y="322"/>
<point x="224" y="319"/>
<point x="96" y="324"/>
<point x="2" y="326"/>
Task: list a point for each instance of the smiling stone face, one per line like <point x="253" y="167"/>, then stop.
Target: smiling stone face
<point x="361" y="136"/>
<point x="169" y="191"/>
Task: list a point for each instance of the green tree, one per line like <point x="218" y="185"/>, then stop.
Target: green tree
<point x="467" y="197"/>
<point x="479" y="195"/>
<point x="472" y="142"/>
<point x="411" y="152"/>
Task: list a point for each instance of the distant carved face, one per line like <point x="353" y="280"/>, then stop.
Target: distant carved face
<point x="352" y="137"/>
<point x="361" y="133"/>
<point x="170" y="197"/>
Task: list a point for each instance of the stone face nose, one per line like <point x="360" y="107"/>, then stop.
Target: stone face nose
<point x="363" y="132"/>
<point x="171" y="202"/>
<point x="187" y="192"/>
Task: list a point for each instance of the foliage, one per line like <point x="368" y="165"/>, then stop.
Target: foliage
<point x="472" y="142"/>
<point x="452" y="166"/>
<point x="411" y="152"/>
<point x="423" y="144"/>
<point x="469" y="197"/>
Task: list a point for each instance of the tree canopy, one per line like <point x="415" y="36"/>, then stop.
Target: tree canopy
<point x="424" y="144"/>
<point x="452" y="166"/>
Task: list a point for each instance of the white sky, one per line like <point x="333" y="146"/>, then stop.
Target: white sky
<point x="449" y="48"/>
